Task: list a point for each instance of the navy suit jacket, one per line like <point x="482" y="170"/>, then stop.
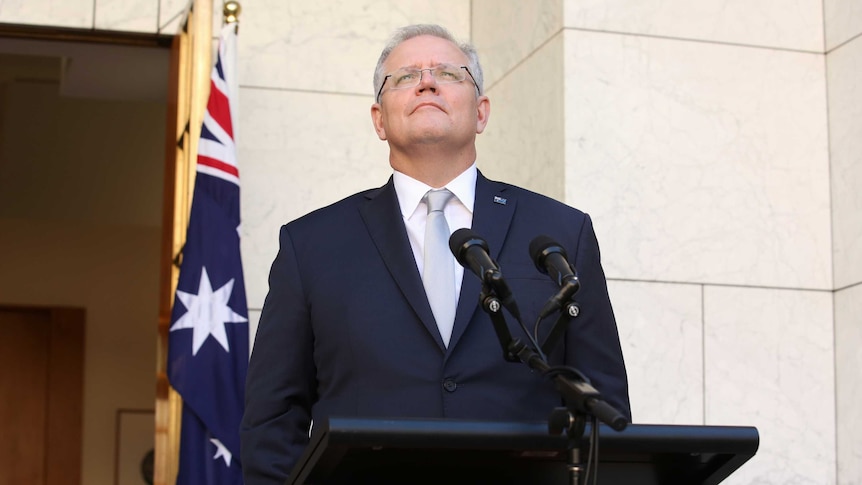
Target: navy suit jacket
<point x="346" y="329"/>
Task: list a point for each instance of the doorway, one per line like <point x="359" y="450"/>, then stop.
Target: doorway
<point x="82" y="143"/>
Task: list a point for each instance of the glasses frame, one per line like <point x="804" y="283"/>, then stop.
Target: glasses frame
<point x="385" y="78"/>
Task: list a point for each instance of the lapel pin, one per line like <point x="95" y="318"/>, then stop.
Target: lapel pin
<point x="499" y="200"/>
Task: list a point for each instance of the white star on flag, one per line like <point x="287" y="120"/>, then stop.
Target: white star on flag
<point x="207" y="313"/>
<point x="221" y="451"/>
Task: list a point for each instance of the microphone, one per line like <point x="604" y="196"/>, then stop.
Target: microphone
<point x="471" y="251"/>
<point x="550" y="259"/>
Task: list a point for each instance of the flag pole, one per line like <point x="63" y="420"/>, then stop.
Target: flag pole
<point x="231" y="11"/>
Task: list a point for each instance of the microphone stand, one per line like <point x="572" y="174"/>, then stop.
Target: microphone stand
<point x="580" y="397"/>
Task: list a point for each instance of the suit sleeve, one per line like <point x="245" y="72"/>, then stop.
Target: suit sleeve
<point x="593" y="342"/>
<point x="280" y="386"/>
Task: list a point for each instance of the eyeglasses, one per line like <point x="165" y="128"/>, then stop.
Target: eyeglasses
<point x="408" y="77"/>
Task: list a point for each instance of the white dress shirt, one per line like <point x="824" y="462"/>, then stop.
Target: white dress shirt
<point x="458" y="212"/>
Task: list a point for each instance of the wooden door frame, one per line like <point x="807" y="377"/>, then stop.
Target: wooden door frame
<point x="191" y="62"/>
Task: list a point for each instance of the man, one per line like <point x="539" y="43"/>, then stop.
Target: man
<point x="352" y="325"/>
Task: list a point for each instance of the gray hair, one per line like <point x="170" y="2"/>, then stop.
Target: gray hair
<point x="406" y="33"/>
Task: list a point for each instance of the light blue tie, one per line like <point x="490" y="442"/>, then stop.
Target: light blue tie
<point x="438" y="275"/>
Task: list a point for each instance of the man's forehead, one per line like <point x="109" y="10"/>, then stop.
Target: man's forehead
<point x="425" y="51"/>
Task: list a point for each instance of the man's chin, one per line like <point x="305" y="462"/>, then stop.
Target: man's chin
<point x="434" y="134"/>
<point x="429" y="133"/>
<point x="432" y="138"/>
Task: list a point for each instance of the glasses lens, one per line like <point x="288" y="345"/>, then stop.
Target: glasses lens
<point x="405" y="78"/>
<point x="444" y="73"/>
<point x="448" y="74"/>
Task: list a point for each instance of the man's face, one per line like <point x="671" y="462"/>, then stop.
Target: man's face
<point x="429" y="113"/>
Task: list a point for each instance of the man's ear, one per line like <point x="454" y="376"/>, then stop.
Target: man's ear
<point x="483" y="111"/>
<point x="377" y="120"/>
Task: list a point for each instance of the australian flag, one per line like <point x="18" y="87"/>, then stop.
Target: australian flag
<point x="208" y="346"/>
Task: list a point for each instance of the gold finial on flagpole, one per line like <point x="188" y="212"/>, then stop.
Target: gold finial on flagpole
<point x="232" y="9"/>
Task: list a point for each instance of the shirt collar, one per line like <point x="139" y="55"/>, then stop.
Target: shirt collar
<point x="411" y="191"/>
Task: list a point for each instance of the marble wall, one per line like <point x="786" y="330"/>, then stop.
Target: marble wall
<point x="844" y="86"/>
<point x="145" y="16"/>
<point x="848" y="360"/>
<point x="715" y="143"/>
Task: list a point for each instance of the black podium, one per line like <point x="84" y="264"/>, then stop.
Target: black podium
<point x="384" y="451"/>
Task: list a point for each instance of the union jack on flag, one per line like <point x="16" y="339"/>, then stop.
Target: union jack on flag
<point x="216" y="149"/>
<point x="208" y="345"/>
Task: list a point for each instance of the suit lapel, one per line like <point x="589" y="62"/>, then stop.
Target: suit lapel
<point x="492" y="215"/>
<point x="386" y="226"/>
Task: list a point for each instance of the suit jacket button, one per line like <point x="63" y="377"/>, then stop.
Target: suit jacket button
<point x="450" y="385"/>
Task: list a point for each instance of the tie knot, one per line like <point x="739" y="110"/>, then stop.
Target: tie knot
<point x="437" y="199"/>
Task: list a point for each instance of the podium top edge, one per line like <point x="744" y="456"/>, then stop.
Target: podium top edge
<point x="693" y="438"/>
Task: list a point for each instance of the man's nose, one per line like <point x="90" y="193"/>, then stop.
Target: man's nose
<point x="427" y="81"/>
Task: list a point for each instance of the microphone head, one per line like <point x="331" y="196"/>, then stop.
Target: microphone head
<point x="541" y="247"/>
<point x="462" y="240"/>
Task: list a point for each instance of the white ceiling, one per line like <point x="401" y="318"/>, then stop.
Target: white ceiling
<point x="91" y="70"/>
